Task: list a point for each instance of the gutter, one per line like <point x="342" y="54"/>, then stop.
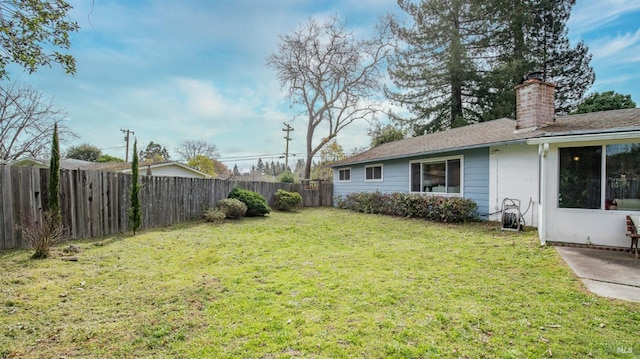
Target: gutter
<point x="417" y="154"/>
<point x="585" y="136"/>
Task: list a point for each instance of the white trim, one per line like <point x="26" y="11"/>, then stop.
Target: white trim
<point x="628" y="135"/>
<point x="440" y="160"/>
<point x="603" y="177"/>
<point x="344" y="169"/>
<point x="374" y="179"/>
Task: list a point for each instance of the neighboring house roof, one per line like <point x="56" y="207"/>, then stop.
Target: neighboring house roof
<point x="65" y="163"/>
<point x="501" y="131"/>
<point x="144" y="167"/>
<point x="157" y="165"/>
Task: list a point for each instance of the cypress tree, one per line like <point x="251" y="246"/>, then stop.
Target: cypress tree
<point x="135" y="211"/>
<point x="54" y="179"/>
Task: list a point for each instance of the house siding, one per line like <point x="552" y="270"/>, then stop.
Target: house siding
<point x="395" y="176"/>
<point x="476" y="178"/>
<point x="514" y="174"/>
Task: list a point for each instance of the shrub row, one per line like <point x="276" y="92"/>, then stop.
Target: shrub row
<point x="241" y="202"/>
<point x="436" y="208"/>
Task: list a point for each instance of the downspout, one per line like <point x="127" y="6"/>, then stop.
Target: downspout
<point x="543" y="150"/>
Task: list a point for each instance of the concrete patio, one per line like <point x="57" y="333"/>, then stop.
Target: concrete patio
<point x="611" y="274"/>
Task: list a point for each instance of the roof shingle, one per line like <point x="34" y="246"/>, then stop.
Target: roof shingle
<point x="498" y="132"/>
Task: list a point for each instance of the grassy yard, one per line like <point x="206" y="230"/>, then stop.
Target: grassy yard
<point x="320" y="283"/>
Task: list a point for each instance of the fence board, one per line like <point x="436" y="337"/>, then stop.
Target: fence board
<point x="8" y="219"/>
<point x="94" y="204"/>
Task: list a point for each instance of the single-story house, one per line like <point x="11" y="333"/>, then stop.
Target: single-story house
<point x="161" y="169"/>
<point x="576" y="177"/>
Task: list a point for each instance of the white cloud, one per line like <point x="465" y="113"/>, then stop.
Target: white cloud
<point x="589" y="15"/>
<point x="623" y="48"/>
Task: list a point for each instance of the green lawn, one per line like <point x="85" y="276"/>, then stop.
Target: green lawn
<point x="320" y="283"/>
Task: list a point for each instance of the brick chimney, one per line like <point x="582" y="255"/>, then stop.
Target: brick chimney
<point x="534" y="103"/>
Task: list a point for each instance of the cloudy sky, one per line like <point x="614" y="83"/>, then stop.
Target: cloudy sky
<point x="176" y="70"/>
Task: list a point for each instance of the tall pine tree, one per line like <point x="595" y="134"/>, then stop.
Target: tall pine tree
<point x="464" y="57"/>
<point x="436" y="75"/>
<point x="532" y="36"/>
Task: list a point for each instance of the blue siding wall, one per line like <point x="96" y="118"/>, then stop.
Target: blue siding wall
<point x="476" y="178"/>
<point x="395" y="177"/>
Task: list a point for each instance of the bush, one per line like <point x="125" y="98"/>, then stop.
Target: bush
<point x="287" y="177"/>
<point x="256" y="204"/>
<point x="286" y="201"/>
<point x="436" y="208"/>
<point x="41" y="236"/>
<point x="214" y="215"/>
<point x="232" y="208"/>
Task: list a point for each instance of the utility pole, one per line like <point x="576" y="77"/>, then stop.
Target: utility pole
<point x="287" y="129"/>
<point x="126" y="138"/>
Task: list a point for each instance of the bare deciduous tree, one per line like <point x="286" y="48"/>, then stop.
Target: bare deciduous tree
<point x="191" y="148"/>
<point x="27" y="119"/>
<point x="331" y="76"/>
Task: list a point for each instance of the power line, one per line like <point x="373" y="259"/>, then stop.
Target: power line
<point x="255" y="157"/>
<point x="111" y="148"/>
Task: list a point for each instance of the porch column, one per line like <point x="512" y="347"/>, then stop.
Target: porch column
<point x="543" y="150"/>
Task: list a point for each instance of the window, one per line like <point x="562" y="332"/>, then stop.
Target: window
<point x="580" y="177"/>
<point x="437" y="176"/>
<point x="373" y="173"/>
<point x="344" y="175"/>
<point x="622" y="189"/>
<point x="584" y="183"/>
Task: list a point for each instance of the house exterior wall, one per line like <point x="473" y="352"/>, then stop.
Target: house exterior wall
<point x="583" y="226"/>
<point x="514" y="174"/>
<point x="396" y="176"/>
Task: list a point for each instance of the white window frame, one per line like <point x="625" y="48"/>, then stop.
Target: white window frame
<point x="344" y="169"/>
<point x="374" y="179"/>
<point x="439" y="160"/>
<point x="603" y="174"/>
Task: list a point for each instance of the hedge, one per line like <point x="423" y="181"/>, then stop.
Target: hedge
<point x="414" y="205"/>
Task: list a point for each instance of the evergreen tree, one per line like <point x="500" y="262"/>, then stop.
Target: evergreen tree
<point x="382" y="134"/>
<point x="298" y="170"/>
<point x="436" y="76"/>
<point x="135" y="210"/>
<point x="566" y="66"/>
<point x="532" y="36"/>
<point x="608" y="100"/>
<point x="54" y="179"/>
<point x="236" y="172"/>
<point x="260" y="166"/>
<point x="464" y="58"/>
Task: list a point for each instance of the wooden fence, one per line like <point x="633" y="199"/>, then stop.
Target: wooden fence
<point x="94" y="204"/>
